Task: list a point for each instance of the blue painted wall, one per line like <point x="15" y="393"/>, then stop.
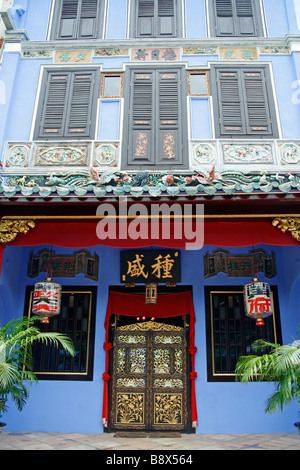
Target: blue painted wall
<point x="222" y="407"/>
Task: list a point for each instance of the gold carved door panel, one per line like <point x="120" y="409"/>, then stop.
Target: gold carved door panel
<point x="149" y="383"/>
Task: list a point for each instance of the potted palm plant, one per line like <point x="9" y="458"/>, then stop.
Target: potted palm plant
<point x="16" y="364"/>
<point x="280" y="365"/>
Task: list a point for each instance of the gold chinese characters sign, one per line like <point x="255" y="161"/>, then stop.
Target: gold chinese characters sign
<point x="150" y="266"/>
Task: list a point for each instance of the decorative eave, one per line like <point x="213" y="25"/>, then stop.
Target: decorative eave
<point x="140" y="184"/>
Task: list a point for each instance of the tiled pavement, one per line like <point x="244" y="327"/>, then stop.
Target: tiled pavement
<point x="74" y="441"/>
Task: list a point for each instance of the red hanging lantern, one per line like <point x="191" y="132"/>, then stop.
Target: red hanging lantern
<point x="258" y="301"/>
<point x="46" y="299"/>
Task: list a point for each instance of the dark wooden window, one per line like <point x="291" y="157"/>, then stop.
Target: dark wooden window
<point x="155" y="132"/>
<point x="77" y="19"/>
<point x="243" y="101"/>
<point x="67" y="106"/>
<point x="156" y="18"/>
<point x="77" y="320"/>
<point x="229" y="333"/>
<point x="235" y="18"/>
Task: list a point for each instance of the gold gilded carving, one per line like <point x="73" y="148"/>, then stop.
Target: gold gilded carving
<point x="288" y="224"/>
<point x="168" y="408"/>
<point x="9" y="229"/>
<point x="130" y="408"/>
<point x="149" y="326"/>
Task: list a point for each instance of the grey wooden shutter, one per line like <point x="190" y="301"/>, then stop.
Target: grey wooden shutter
<point x="231" y="117"/>
<point x="78" y="19"/>
<point x="258" y="117"/>
<point x="67" y="107"/>
<point x="88" y="19"/>
<point x="53" y="109"/>
<point x="79" y="117"/>
<point x="156" y="18"/>
<point x="245" y="106"/>
<point x="166" y="18"/>
<point x="236" y="17"/>
<point x="224" y="18"/>
<point x="67" y="28"/>
<point x="245" y="24"/>
<point x="169" y="118"/>
<point x="140" y="149"/>
<point x="154" y="131"/>
<point x="145" y="18"/>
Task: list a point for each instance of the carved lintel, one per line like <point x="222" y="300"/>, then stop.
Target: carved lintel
<point x="288" y="224"/>
<point x="10" y="228"/>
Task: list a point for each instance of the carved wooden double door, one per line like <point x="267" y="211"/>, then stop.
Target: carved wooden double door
<point x="149" y="383"/>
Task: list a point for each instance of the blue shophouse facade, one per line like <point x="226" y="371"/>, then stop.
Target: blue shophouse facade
<point x="176" y="102"/>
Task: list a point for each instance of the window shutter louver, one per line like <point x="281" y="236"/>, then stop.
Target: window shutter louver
<point x="256" y="102"/>
<point x="245" y="18"/>
<point x="68" y="22"/>
<point x="224" y="18"/>
<point x="237" y="17"/>
<point x="244" y="103"/>
<point x="154" y="131"/>
<point x="145" y="18"/>
<point x="88" y="19"/>
<point x="142" y="117"/>
<point x="54" y="109"/>
<point x="166" y="18"/>
<point x="78" y="19"/>
<point x="67" y="107"/>
<point x="80" y="105"/>
<point x="231" y="112"/>
<point x="156" y="18"/>
<point x="169" y="144"/>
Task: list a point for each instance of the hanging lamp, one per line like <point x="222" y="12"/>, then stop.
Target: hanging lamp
<point x="151" y="293"/>
<point x="47" y="297"/>
<point x="258" y="301"/>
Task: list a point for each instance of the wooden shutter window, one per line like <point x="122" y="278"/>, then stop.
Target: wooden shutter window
<point x="155" y="18"/>
<point x="166" y="18"/>
<point x="236" y="17"/>
<point x="54" y="110"/>
<point x="142" y="117"/>
<point x="154" y="130"/>
<point x="78" y="19"/>
<point x="68" y="23"/>
<point x="66" y="110"/>
<point x="88" y="19"/>
<point x="259" y="119"/>
<point x="231" y="120"/>
<point x="145" y="25"/>
<point x="79" y="117"/>
<point x="245" y="106"/>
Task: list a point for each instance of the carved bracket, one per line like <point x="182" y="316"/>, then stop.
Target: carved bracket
<point x="10" y="229"/>
<point x="288" y="224"/>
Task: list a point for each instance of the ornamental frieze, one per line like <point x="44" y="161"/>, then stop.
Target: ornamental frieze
<point x="59" y="154"/>
<point x="95" y="182"/>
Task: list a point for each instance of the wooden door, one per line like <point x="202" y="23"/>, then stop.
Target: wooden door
<point x="149" y="383"/>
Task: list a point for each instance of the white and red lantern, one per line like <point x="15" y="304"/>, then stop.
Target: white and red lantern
<point x="46" y="299"/>
<point x="258" y="301"/>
